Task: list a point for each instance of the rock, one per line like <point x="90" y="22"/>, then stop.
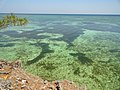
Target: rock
<point x="5" y="84"/>
<point x="12" y="77"/>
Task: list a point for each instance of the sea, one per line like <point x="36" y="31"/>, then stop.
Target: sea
<point x="83" y="48"/>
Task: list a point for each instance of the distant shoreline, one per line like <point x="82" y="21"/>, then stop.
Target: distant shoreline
<point x="65" y="14"/>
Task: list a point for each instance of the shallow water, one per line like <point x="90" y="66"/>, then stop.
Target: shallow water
<point x="83" y="49"/>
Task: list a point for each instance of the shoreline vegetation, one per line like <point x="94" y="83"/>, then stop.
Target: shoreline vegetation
<point x="12" y="20"/>
<point x="85" y="50"/>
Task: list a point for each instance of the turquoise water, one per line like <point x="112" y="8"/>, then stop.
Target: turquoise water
<point x="81" y="48"/>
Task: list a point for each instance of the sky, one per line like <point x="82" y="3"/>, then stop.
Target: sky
<point x="60" y="6"/>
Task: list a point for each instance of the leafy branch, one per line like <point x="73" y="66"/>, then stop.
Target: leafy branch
<point x="12" y="20"/>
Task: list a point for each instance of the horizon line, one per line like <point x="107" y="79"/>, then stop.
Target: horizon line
<point x="61" y="13"/>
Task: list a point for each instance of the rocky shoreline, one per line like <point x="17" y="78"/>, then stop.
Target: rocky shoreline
<point x="13" y="77"/>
